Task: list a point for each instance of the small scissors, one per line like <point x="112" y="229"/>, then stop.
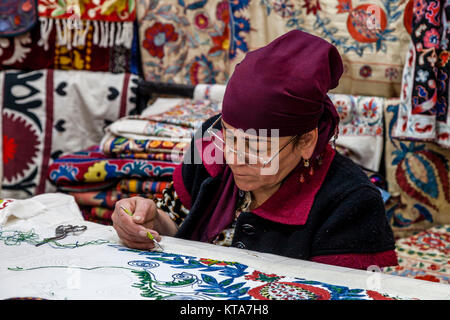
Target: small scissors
<point x="62" y="231"/>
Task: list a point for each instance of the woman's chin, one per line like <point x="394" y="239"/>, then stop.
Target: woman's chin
<point x="244" y="183"/>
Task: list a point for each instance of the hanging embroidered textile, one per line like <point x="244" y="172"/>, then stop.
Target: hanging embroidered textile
<point x="424" y="111"/>
<point x="42" y="120"/>
<point x="371" y="36"/>
<point x="418" y="178"/>
<point x="77" y="35"/>
<point x="17" y="17"/>
<point x="184" y="42"/>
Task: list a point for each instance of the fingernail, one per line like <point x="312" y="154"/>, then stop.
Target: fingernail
<point x="137" y="218"/>
<point x="143" y="234"/>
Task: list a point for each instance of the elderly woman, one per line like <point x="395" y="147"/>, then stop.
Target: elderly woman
<point x="282" y="188"/>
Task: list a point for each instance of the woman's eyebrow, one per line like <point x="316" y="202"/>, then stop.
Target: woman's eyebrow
<point x="246" y="137"/>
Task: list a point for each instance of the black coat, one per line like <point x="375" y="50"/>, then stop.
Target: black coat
<point x="347" y="215"/>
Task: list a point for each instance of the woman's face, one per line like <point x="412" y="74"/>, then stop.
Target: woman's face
<point x="257" y="176"/>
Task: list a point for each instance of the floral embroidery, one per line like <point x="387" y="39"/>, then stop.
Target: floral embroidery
<point x="186" y="277"/>
<point x="312" y="6"/>
<point x="201" y="21"/>
<point x="391" y="73"/>
<point x="365" y="71"/>
<point x="109" y="10"/>
<point x="157" y="36"/>
<point x="201" y="70"/>
<point x="419" y="9"/>
<point x="344" y="6"/>
<point x="418" y="175"/>
<point x="431" y="39"/>
<point x="422" y="75"/>
<point x="432" y="14"/>
<point x="221" y="42"/>
<point x="424" y="256"/>
<point x="240" y="26"/>
<point x="444" y="58"/>
<point x="21" y="145"/>
<point x="283" y="7"/>
<point x="424" y="95"/>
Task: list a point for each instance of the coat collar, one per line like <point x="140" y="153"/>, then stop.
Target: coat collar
<point x="292" y="202"/>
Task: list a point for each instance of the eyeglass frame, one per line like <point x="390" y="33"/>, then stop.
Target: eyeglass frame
<point x="263" y="162"/>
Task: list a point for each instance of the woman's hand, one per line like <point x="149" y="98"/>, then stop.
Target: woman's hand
<point x="132" y="230"/>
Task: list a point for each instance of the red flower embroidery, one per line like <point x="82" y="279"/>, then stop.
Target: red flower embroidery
<point x="9" y="149"/>
<point x="391" y="73"/>
<point x="370" y="109"/>
<point x="223" y="11"/>
<point x="365" y="71"/>
<point x="201" y="21"/>
<point x="444" y="57"/>
<point x="221" y="42"/>
<point x="431" y="39"/>
<point x="312" y="6"/>
<point x="344" y="6"/>
<point x="432" y="14"/>
<point x="427" y="277"/>
<point x="18" y="134"/>
<point x="261" y="276"/>
<point x="378" y="296"/>
<point x="419" y="9"/>
<point x="157" y="36"/>
<point x="433" y="267"/>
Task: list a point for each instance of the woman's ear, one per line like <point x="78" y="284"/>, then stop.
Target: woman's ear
<point x="308" y="143"/>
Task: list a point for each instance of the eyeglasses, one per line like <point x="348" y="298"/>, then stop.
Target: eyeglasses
<point x="249" y="158"/>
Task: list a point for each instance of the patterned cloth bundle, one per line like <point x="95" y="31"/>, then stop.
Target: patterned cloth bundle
<point x="97" y="180"/>
<point x="136" y="157"/>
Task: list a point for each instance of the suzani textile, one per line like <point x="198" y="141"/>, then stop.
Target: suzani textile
<point x="46" y="113"/>
<point x="184" y="41"/>
<point x="94" y="265"/>
<point x="360" y="128"/>
<point x="76" y="35"/>
<point x="424" y="256"/>
<point x="424" y="111"/>
<point x="162" y="132"/>
<point x="418" y="179"/>
<point x="91" y="166"/>
<point x="371" y="36"/>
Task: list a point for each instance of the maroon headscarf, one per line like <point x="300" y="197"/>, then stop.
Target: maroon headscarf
<point x="284" y="86"/>
<point x="280" y="86"/>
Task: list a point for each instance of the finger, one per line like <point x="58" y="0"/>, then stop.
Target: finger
<point x="154" y="233"/>
<point x="127" y="206"/>
<point x="145" y="210"/>
<point x="128" y="230"/>
<point x="137" y="238"/>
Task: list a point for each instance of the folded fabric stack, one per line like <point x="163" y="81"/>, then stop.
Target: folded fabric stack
<point x="136" y="157"/>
